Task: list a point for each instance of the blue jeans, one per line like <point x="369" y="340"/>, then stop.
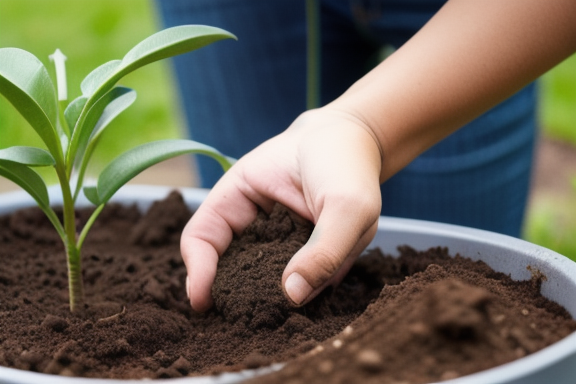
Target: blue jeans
<point x="237" y="94"/>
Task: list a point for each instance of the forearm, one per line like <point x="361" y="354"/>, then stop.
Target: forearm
<point x="468" y="58"/>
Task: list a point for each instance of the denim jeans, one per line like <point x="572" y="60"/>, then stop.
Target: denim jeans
<point x="237" y="94"/>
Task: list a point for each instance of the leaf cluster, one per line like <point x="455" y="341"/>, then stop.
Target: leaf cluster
<point x="71" y="131"/>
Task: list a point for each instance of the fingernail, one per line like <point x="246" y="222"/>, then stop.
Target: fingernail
<point x="297" y="288"/>
<point x="187" y="287"/>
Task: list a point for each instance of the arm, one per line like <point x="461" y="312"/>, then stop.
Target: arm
<point x="468" y="58"/>
<point x="328" y="164"/>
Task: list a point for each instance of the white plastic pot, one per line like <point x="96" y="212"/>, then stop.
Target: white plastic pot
<point x="554" y="364"/>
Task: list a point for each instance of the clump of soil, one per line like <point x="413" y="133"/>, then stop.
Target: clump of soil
<point x="247" y="290"/>
<point x="137" y="322"/>
<point x="242" y="290"/>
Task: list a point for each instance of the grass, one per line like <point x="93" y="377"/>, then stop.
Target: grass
<point x="91" y="33"/>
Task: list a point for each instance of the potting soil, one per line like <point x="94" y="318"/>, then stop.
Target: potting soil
<point x="418" y="318"/>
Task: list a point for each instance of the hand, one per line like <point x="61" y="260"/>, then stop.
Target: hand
<point x="326" y="168"/>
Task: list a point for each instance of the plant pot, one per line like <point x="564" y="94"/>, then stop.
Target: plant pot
<point x="554" y="364"/>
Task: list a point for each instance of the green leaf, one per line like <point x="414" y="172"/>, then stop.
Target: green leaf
<point x="27" y="179"/>
<point x="25" y="82"/>
<point x="161" y="45"/>
<point x="166" y="43"/>
<point x="125" y="98"/>
<point x="81" y="134"/>
<point x="131" y="163"/>
<point x="95" y="78"/>
<point x="172" y="42"/>
<point x="31" y="156"/>
<point x="91" y="194"/>
<point x="73" y="111"/>
<point x="121" y="99"/>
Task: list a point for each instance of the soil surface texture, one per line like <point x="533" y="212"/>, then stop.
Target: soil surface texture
<point x="137" y="321"/>
<point x="418" y="318"/>
<point x="450" y="317"/>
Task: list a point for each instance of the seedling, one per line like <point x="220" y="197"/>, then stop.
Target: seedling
<point x="71" y="131"/>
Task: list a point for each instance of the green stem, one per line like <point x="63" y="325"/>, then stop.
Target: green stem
<point x="76" y="293"/>
<point x="80" y="179"/>
<point x="75" y="284"/>
<point x="82" y="168"/>
<point x="313" y="54"/>
<point x="88" y="225"/>
<point x="74" y="137"/>
<point x="51" y="215"/>
<point x="63" y="123"/>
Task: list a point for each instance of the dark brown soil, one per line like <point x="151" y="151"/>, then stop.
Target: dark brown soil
<point x="137" y="322"/>
<point x="454" y="318"/>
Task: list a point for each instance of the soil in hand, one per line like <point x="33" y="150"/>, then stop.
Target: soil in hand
<point x="137" y="322"/>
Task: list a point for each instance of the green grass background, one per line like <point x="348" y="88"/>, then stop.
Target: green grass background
<point x="91" y="32"/>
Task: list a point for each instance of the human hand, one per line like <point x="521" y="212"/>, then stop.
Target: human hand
<point x="325" y="167"/>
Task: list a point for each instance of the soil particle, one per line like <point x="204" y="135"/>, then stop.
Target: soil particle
<point x="421" y="317"/>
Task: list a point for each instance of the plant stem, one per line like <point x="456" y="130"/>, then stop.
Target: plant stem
<point x="75" y="283"/>
<point x="82" y="168"/>
<point x="70" y="157"/>
<point x="51" y="215"/>
<point x="74" y="261"/>
<point x="88" y="225"/>
<point x="63" y="123"/>
<point x="79" y="180"/>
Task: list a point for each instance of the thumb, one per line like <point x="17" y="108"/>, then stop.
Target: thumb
<point x="337" y="240"/>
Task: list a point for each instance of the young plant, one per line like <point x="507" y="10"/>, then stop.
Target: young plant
<point x="71" y="131"/>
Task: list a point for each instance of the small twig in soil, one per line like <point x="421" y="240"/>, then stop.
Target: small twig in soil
<point x="113" y="317"/>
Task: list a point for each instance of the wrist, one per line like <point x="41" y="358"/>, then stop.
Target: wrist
<point x="355" y="118"/>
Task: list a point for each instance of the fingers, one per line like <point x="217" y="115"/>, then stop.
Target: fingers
<point x="343" y="192"/>
<point x="207" y="235"/>
<point x="340" y="235"/>
<point x="201" y="273"/>
<point x="328" y="174"/>
<point x="255" y="182"/>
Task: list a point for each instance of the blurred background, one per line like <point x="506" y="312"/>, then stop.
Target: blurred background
<point x="93" y="32"/>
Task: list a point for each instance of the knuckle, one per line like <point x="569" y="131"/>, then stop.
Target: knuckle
<point x="324" y="266"/>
